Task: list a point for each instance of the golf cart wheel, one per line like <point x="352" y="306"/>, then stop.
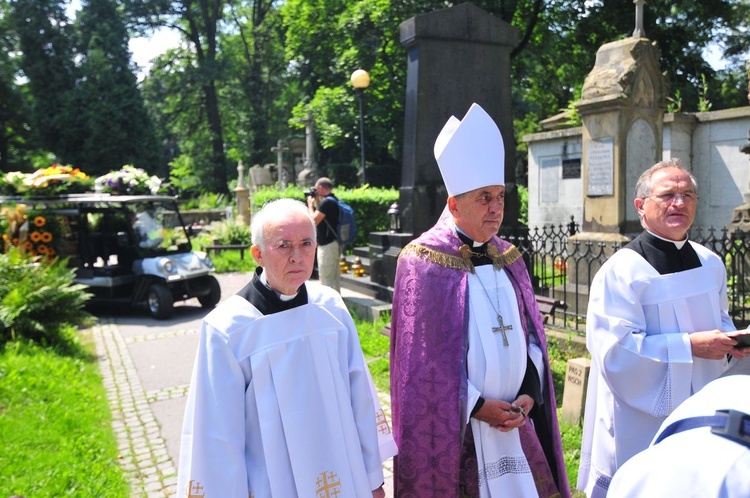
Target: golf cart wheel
<point x="214" y="296"/>
<point x="160" y="301"/>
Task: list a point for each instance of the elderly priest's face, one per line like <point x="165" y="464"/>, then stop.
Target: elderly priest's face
<point x="289" y="252"/>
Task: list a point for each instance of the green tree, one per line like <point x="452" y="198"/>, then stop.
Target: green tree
<point x="558" y="41"/>
<point x="356" y="34"/>
<point x="255" y="97"/>
<point x="112" y="120"/>
<point x="199" y="23"/>
<point x="17" y="148"/>
<point x="47" y="41"/>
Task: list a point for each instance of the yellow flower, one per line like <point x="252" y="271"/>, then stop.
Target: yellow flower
<point x="42" y="249"/>
<point x="40" y="221"/>
<point x="35" y="236"/>
<point x="46" y="237"/>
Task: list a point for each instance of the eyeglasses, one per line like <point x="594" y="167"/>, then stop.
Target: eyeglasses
<point x="689" y="198"/>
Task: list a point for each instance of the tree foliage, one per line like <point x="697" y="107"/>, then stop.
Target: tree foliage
<point x="248" y="71"/>
<point x="18" y="150"/>
<point x="113" y="122"/>
<point x="85" y="107"/>
<point x="200" y="24"/>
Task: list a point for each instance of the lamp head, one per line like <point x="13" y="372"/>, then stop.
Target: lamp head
<point x="360" y="79"/>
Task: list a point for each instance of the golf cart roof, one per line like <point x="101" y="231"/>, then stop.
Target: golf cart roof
<point x="89" y="199"/>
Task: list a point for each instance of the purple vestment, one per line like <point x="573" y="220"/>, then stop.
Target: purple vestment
<point x="429" y="342"/>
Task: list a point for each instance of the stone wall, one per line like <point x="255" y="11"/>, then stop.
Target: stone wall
<point x="707" y="142"/>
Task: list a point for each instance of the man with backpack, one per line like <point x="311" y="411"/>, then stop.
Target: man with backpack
<point x="326" y="216"/>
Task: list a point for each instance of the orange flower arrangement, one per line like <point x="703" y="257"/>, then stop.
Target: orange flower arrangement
<point x="34" y="233"/>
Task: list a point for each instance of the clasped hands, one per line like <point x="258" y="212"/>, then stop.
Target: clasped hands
<point x="505" y="416"/>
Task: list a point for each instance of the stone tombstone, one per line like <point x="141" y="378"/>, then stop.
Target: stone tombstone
<point x="260" y="177"/>
<point x="242" y="194"/>
<point x="281" y="167"/>
<point x="622" y="110"/>
<point x="455" y="57"/>
<point x="739" y="227"/>
<point x="574" y="392"/>
<point x="640" y="150"/>
<point x="308" y="173"/>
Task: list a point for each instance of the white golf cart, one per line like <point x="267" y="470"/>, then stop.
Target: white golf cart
<point x="124" y="252"/>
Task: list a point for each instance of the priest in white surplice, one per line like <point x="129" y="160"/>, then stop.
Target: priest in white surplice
<point x="281" y="402"/>
<point x="658" y="327"/>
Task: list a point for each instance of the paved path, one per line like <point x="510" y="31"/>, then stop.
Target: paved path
<point x="146" y="365"/>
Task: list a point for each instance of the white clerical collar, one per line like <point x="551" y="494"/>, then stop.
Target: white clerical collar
<point x="475" y="243"/>
<point x="283" y="297"/>
<point x="678" y="243"/>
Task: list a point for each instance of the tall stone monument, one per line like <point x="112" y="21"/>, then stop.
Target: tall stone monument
<point x="455" y="57"/>
<point x="283" y="174"/>
<point x="310" y="173"/>
<point x="622" y="110"/>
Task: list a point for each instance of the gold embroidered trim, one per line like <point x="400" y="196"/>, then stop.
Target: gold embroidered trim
<point x="499" y="260"/>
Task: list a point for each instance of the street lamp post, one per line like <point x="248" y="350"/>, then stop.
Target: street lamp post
<point x="360" y="80"/>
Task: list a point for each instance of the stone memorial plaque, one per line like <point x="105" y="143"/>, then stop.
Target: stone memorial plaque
<point x="574" y="392"/>
<point x="601" y="167"/>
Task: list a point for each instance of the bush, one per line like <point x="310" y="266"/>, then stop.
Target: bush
<point x="38" y="298"/>
<point x="230" y="233"/>
<point x="370" y="205"/>
<point x="205" y="201"/>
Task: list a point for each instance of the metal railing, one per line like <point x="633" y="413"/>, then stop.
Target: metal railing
<point x="562" y="268"/>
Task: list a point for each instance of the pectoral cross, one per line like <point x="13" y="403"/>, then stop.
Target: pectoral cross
<point x="502" y="328"/>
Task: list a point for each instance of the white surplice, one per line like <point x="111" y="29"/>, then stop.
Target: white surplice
<point x="496" y="372"/>
<point x="642" y="365"/>
<point x="282" y="405"/>
<point x="693" y="463"/>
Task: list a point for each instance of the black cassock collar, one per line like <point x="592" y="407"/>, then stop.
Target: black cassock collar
<point x="664" y="255"/>
<point x="266" y="300"/>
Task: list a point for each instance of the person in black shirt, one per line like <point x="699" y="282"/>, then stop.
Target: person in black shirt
<point x="326" y="216"/>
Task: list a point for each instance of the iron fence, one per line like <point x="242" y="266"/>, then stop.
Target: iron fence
<point x="562" y="267"/>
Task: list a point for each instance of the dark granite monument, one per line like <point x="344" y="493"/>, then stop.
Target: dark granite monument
<point x="456" y="56"/>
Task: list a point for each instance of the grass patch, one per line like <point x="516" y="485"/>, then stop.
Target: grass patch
<point x="229" y="262"/>
<point x="56" y="437"/>
<point x="571" y="441"/>
<point x="376" y="347"/>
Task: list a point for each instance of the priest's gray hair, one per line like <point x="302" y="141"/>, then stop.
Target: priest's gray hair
<point x="643" y="187"/>
<point x="274" y="210"/>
